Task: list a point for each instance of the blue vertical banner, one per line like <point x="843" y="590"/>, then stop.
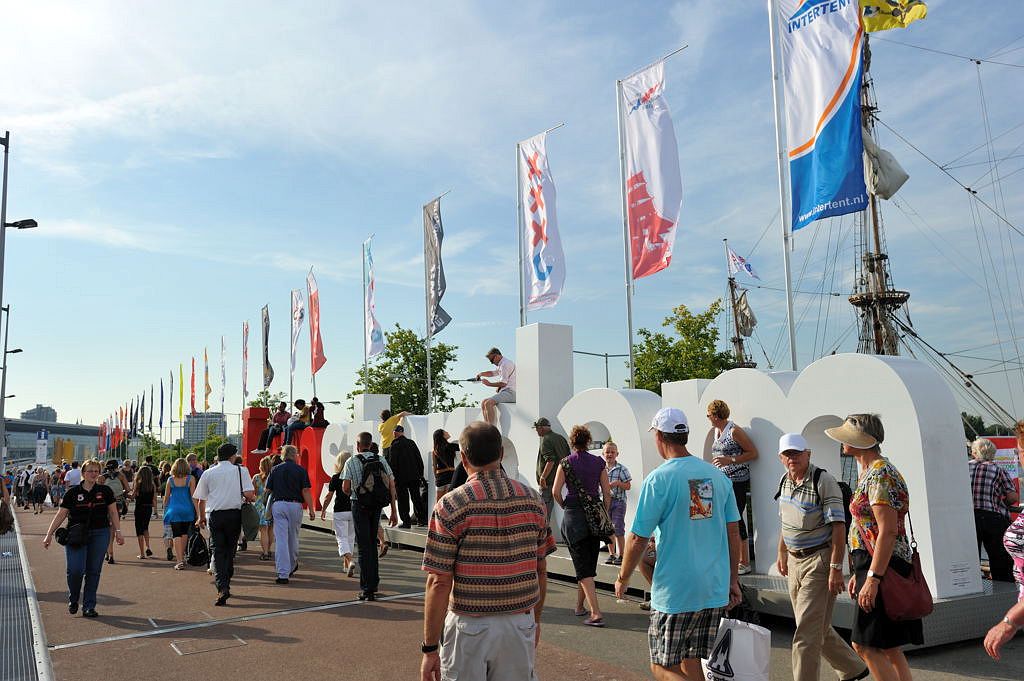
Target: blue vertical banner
<point x="821" y="45"/>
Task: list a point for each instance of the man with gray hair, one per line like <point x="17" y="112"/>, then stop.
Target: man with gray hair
<point x="812" y="545"/>
<point x="289" y="483"/>
<point x="993" y="492"/>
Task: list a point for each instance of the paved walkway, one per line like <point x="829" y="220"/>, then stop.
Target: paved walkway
<point x="156" y="623"/>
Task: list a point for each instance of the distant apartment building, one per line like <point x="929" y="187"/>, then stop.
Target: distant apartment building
<point x="197" y="427"/>
<point x="40" y="413"/>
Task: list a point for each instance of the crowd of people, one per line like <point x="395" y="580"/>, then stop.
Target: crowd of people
<point x="687" y="534"/>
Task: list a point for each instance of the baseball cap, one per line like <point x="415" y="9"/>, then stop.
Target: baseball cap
<point x="670" y="420"/>
<point x="542" y="421"/>
<point x="792" y="442"/>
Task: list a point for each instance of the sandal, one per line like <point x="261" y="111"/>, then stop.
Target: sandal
<point x="383" y="550"/>
<point x="264" y="556"/>
<point x="580" y="613"/>
<point x="141" y="556"/>
<point x="180" y="566"/>
<point x="594" y="621"/>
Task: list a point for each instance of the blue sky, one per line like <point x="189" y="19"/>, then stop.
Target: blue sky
<point x="189" y="162"/>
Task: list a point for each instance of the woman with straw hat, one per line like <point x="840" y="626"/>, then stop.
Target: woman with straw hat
<point x="878" y="543"/>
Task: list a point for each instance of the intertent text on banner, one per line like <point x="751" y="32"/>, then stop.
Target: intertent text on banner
<point x="821" y="45"/>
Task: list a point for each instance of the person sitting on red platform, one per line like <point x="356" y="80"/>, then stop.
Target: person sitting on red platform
<point x="275" y="425"/>
<point x="316" y="414"/>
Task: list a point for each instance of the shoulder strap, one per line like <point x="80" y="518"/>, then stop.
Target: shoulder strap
<point x="816" y="478"/>
<point x="782" y="481"/>
<point x="573" y="479"/>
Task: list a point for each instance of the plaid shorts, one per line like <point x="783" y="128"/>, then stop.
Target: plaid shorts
<point x="682" y="636"/>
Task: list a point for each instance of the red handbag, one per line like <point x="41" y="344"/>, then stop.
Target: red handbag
<point x="907" y="598"/>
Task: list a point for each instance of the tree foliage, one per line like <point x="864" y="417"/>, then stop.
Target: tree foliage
<point x="265" y="398"/>
<point x="400" y="371"/>
<point x="975" y="427"/>
<point x="689" y="351"/>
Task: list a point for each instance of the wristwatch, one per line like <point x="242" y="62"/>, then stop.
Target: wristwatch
<point x="1016" y="627"/>
<point x="872" y="573"/>
<point x="429" y="649"/>
<point x="836" y="566"/>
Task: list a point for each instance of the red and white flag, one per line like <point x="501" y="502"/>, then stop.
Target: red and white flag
<point x="316" y="343"/>
<point x="654" y="186"/>
<point x="545" y="260"/>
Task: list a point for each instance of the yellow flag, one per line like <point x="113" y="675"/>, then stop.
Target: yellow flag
<point x="881" y="15"/>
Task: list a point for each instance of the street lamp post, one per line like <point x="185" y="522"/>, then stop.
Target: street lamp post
<point x="3" y="390"/>
<point x="19" y="224"/>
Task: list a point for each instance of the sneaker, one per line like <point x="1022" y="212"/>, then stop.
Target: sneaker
<point x="149" y="553"/>
<point x="281" y="580"/>
<point x="610" y="560"/>
<point x="744" y="569"/>
<point x="90" y="612"/>
<point x="72" y="608"/>
<point x="617" y="561"/>
<point x="646" y="605"/>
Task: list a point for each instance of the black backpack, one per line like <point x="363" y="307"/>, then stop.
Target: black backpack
<point x="196" y="551"/>
<point x="844" y="489"/>
<point x="373" y="490"/>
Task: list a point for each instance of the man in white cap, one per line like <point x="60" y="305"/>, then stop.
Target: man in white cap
<point x="812" y="545"/>
<point x="695" y="577"/>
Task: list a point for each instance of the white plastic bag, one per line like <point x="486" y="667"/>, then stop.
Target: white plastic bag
<point x="741" y="653"/>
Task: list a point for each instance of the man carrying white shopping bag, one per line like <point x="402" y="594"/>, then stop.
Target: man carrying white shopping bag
<point x="812" y="545"/>
<point x="695" y="577"/>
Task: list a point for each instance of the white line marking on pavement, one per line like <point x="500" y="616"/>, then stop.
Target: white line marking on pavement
<point x="231" y="620"/>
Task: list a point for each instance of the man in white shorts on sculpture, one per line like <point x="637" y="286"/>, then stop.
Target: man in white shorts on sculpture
<point x="505" y="373"/>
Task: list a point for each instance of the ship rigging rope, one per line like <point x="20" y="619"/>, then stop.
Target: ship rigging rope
<point x="969" y="190"/>
<point x="978" y="234"/>
<point x="913" y="216"/>
<point x="1005" y="247"/>
<point x="949" y="164"/>
<point x="1002" y="50"/>
<point x="958" y="379"/>
<point x="949" y="54"/>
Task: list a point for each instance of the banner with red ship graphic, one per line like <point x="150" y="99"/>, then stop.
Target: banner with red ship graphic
<point x="654" y="186"/>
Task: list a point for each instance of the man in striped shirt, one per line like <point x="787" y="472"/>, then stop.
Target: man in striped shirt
<point x="812" y="544"/>
<point x="486" y="553"/>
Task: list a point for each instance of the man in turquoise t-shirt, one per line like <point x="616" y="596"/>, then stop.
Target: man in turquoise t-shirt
<point x="689" y="507"/>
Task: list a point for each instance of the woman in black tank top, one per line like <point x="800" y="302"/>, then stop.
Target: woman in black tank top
<point x="144" y="493"/>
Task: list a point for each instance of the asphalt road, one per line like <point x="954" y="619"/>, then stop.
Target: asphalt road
<point x="156" y="623"/>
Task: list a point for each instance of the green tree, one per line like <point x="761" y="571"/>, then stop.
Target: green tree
<point x="974" y="425"/>
<point x="400" y="371"/>
<point x="689" y="351"/>
<point x="265" y="398"/>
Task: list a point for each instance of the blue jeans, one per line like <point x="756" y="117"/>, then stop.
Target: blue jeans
<point x="86" y="561"/>
<point x="289" y="431"/>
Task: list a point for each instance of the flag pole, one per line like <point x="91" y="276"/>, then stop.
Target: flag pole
<point x="784" y="210"/>
<point x="313" y="375"/>
<point x="521" y="227"/>
<point x="627" y="256"/>
<point x="627" y="250"/>
<point x="366" y="366"/>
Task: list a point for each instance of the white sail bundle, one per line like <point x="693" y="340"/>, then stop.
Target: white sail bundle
<point x="745" y="319"/>
<point x="883" y="174"/>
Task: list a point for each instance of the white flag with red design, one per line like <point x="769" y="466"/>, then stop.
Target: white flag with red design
<point x="654" y="186"/>
<point x="545" y="261"/>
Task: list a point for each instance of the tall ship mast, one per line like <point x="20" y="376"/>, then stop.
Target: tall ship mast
<point x="874" y="296"/>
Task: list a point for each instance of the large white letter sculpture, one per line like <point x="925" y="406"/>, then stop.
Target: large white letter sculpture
<point x="924" y="438"/>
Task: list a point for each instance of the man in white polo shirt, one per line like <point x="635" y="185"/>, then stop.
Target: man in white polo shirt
<point x="74" y="476"/>
<point x="505" y="383"/>
<point x="220" y="492"/>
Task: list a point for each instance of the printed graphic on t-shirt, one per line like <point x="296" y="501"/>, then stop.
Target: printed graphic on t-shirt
<point x="701" y="494"/>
